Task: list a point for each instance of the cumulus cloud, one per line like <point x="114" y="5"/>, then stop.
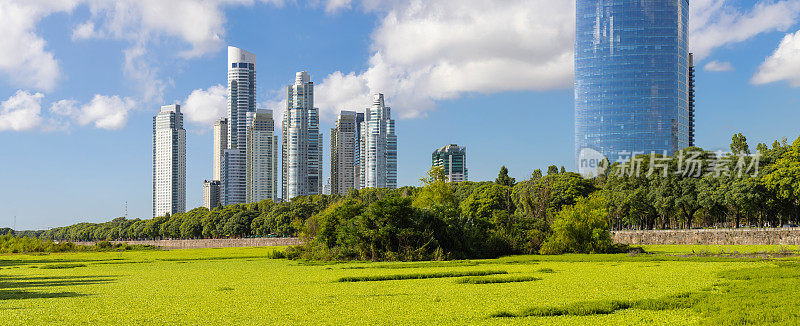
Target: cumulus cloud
<point x="783" y="64"/>
<point x="717" y="23"/>
<point x="24" y="57"/>
<point x="22" y="111"/>
<point x="198" y="23"/>
<point x="425" y="51"/>
<point x="204" y="106"/>
<point x="718" y="66"/>
<point x="103" y="112"/>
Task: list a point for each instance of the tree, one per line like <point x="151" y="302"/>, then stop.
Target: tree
<point x="784" y="179"/>
<point x="551" y="170"/>
<point x="739" y="144"/>
<point x="581" y="228"/>
<point x="503" y="179"/>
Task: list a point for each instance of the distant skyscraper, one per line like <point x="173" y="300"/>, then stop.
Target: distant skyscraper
<point x="453" y="160"/>
<point x="169" y="161"/>
<point x="344" y="149"/>
<point x="378" y="147"/>
<point x="301" y="141"/>
<point x="219" y="146"/>
<point x="211" y="193"/>
<point x="631" y="77"/>
<point x="691" y="100"/>
<point x="262" y="157"/>
<point x="241" y="101"/>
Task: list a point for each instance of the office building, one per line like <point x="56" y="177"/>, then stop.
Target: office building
<point x="301" y="148"/>
<point x="453" y="159"/>
<point x="211" y="193"/>
<point x="344" y="150"/>
<point x="691" y="100"/>
<point x="378" y="147"/>
<point x="631" y="77"/>
<point x="262" y="157"/>
<point x="169" y="161"/>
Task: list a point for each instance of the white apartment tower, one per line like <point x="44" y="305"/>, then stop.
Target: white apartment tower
<point x="378" y="147"/>
<point x="262" y="157"/>
<point x="211" y="194"/>
<point x="241" y="101"/>
<point x="169" y="161"/>
<point x="301" y="142"/>
<point x="344" y="152"/>
<point x="219" y="146"/>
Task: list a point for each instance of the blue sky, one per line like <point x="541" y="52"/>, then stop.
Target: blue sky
<point x="81" y="79"/>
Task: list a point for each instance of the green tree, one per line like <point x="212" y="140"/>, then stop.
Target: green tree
<point x="581" y="228"/>
<point x="739" y="144"/>
<point x="503" y="179"/>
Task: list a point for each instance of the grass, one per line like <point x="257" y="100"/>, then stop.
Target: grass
<point x="61" y="266"/>
<point x="214" y="286"/>
<point x="416" y="276"/>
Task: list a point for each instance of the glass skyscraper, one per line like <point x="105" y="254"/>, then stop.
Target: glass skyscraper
<point x="631" y="77"/>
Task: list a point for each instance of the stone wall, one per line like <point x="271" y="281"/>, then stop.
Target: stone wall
<point x="211" y="243"/>
<point x="782" y="236"/>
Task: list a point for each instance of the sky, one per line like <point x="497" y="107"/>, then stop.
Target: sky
<point x="80" y="81"/>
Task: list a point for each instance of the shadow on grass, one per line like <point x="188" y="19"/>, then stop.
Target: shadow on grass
<point x="26" y="262"/>
<point x="35" y="287"/>
<point x="21" y="294"/>
<point x="25" y="282"/>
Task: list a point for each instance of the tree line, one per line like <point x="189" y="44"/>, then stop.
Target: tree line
<point x="550" y="212"/>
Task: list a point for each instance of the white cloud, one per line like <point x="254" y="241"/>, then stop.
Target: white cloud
<point x="783" y="64"/>
<point x="204" y="106"/>
<point x="335" y="5"/>
<point x="715" y="23"/>
<point x="717" y="66"/>
<point x="198" y="23"/>
<point x="22" y="111"/>
<point x="103" y="112"/>
<point x="24" y="58"/>
<point x="429" y="50"/>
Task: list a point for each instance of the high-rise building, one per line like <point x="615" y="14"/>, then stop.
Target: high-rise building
<point x="453" y="159"/>
<point x="241" y="101"/>
<point x="211" y="193"/>
<point x="378" y="147"/>
<point x="219" y="146"/>
<point x="262" y="157"/>
<point x="169" y="161"/>
<point x="631" y="77"/>
<point x="344" y="150"/>
<point x="301" y="142"/>
<point x="691" y="100"/>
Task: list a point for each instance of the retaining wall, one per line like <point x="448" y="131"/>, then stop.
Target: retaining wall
<point x="775" y="236"/>
<point x="211" y="243"/>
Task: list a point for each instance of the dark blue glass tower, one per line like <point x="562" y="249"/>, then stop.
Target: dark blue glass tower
<point x="631" y="77"/>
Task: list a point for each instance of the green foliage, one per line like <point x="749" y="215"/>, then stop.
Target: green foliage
<point x="503" y="179"/>
<point x="581" y="228"/>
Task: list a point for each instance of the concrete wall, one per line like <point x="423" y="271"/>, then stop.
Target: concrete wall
<point x="782" y="236"/>
<point x="211" y="243"/>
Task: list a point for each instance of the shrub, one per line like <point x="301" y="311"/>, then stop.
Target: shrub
<point x="581" y="228"/>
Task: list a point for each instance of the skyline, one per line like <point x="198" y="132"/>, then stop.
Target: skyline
<point x="724" y="99"/>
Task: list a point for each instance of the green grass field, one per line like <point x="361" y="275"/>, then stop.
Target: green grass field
<point x="244" y="286"/>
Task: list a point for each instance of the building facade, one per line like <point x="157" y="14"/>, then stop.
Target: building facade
<point x="169" y="161"/>
<point x="378" y="147"/>
<point x="211" y="194"/>
<point x="241" y="101"/>
<point x="262" y="157"/>
<point x="344" y="151"/>
<point x="453" y="159"/>
<point x="691" y="100"/>
<point x="631" y="77"/>
<point x="220" y="144"/>
<point x="301" y="144"/>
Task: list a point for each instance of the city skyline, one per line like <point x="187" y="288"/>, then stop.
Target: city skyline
<point x="734" y="78"/>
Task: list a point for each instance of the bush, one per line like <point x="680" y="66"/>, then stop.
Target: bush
<point x="581" y="228"/>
